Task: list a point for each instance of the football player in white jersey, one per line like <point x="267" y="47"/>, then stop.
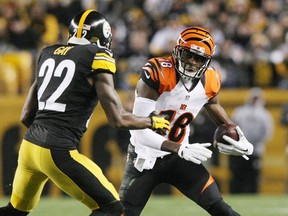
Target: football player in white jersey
<point x="178" y="86"/>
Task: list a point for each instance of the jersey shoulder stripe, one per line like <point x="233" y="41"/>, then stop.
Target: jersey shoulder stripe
<point x="212" y="82"/>
<point x="159" y="74"/>
<point x="104" y="61"/>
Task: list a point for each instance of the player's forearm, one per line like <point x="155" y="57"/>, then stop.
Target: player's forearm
<point x="170" y="146"/>
<point x="218" y="114"/>
<point x="129" y="121"/>
<point x="147" y="137"/>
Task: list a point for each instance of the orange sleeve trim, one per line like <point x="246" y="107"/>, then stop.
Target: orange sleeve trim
<point x="213" y="82"/>
<point x="208" y="183"/>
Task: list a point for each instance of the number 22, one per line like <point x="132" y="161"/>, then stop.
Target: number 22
<point x="49" y="67"/>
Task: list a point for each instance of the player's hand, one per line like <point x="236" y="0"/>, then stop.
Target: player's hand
<point x="159" y="123"/>
<point x="196" y="152"/>
<point x="242" y="147"/>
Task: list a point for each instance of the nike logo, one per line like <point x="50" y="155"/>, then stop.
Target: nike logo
<point x="147" y="74"/>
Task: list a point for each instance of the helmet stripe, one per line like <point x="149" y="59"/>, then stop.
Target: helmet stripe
<point x="202" y="36"/>
<point x="81" y="23"/>
<point x="199" y="31"/>
<point x="201" y="40"/>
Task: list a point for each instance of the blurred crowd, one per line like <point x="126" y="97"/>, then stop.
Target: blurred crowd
<point x="251" y="35"/>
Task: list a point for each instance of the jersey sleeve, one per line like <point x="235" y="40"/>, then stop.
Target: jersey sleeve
<point x="159" y="74"/>
<point x="149" y="74"/>
<point x="104" y="61"/>
<point x="213" y="82"/>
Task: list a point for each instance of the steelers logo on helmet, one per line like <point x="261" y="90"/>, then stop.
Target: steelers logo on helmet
<point x="106" y="29"/>
<point x="193" y="53"/>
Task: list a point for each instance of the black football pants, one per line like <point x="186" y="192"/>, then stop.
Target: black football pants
<point x="191" y="179"/>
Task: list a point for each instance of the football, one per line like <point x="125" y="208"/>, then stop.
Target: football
<point x="224" y="129"/>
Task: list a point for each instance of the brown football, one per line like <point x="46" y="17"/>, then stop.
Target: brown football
<point x="224" y="129"/>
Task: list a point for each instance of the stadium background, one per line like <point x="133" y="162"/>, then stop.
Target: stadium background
<point x="252" y="50"/>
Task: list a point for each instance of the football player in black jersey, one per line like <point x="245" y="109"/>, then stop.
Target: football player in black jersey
<point x="71" y="79"/>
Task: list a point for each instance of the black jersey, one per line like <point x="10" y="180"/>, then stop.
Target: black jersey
<point x="66" y="99"/>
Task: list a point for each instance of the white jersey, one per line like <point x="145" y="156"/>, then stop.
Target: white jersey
<point x="175" y="101"/>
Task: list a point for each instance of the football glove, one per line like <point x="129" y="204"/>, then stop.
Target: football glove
<point x="159" y="123"/>
<point x="196" y="152"/>
<point x="242" y="147"/>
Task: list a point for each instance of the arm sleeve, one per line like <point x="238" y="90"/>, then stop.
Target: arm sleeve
<point x="143" y="107"/>
<point x="103" y="60"/>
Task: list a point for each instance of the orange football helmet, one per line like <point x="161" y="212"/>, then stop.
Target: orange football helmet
<point x="193" y="52"/>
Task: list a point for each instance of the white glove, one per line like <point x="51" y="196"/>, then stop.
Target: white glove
<point x="196" y="152"/>
<point x="242" y="147"/>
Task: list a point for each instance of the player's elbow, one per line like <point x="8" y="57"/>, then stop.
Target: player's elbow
<point x="25" y="121"/>
<point x="26" y="118"/>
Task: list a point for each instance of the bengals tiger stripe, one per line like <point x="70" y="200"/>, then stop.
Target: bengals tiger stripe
<point x="198" y="37"/>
